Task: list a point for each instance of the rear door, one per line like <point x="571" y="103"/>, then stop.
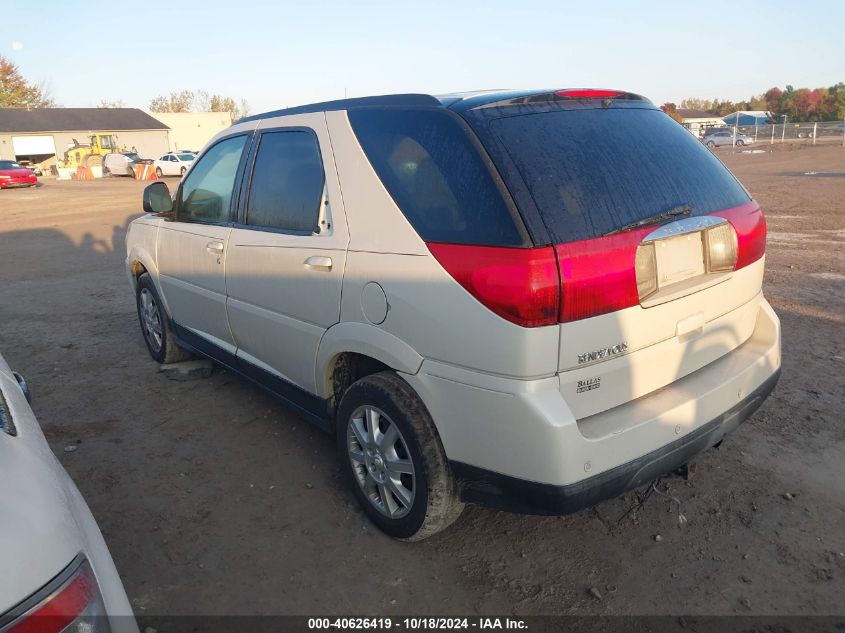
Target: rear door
<point x="645" y="222"/>
<point x="192" y="249"/>
<point x="287" y="253"/>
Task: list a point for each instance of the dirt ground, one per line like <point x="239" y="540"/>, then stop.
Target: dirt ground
<point x="215" y="499"/>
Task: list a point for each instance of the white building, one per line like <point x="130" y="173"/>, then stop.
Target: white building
<point x="697" y="121"/>
<point x="192" y="130"/>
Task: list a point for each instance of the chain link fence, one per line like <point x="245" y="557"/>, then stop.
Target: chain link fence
<point x="811" y="133"/>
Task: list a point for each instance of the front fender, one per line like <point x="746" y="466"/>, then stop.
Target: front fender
<point x="362" y="338"/>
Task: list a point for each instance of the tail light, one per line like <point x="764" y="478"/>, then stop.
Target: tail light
<point x="578" y="280"/>
<point x="519" y="284"/>
<point x="71" y="603"/>
<point x="598" y="275"/>
<point x="721" y="248"/>
<point x="646" y="270"/>
<point x="750" y="226"/>
<point x="589" y="93"/>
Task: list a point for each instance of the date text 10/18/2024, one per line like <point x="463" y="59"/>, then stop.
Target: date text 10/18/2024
<point x="416" y="624"/>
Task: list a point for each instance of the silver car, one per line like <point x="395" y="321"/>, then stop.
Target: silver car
<point x="726" y="137"/>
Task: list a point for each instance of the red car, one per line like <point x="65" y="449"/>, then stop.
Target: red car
<point x="13" y="175"/>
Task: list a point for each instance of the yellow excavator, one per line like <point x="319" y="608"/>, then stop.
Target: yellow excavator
<point x="91" y="154"/>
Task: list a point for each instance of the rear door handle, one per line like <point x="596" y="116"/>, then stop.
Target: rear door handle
<point x="215" y="247"/>
<point x="319" y="262"/>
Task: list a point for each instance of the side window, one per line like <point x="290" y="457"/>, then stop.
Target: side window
<point x="287" y="182"/>
<point x="206" y="193"/>
<point x="163" y="157"/>
<point x="436" y="176"/>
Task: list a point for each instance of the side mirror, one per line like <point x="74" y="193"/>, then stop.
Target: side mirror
<point x="157" y="199"/>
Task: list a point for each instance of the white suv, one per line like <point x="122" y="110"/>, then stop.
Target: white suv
<point x="533" y="300"/>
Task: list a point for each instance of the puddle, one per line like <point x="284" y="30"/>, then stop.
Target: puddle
<point x="787" y="237"/>
<point x="798" y="238"/>
<point x="815" y="174"/>
<point x="835" y="232"/>
<point x="829" y="276"/>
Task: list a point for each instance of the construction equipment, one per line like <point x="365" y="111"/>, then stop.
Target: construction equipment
<point x="91" y="154"/>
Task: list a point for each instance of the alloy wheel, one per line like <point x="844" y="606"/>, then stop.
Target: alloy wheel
<point x="151" y="320"/>
<point x="381" y="461"/>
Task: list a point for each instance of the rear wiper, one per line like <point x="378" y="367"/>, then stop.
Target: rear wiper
<point x="680" y="211"/>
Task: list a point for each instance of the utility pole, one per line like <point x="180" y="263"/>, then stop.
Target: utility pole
<point x="783" y="133"/>
<point x="736" y="122"/>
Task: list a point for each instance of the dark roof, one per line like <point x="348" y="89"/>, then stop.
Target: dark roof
<point x="77" y="120"/>
<point x="348" y="104"/>
<point x="455" y="101"/>
<point x="687" y="113"/>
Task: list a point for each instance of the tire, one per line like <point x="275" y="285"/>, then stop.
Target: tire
<point x="414" y="463"/>
<point x="155" y="326"/>
<point x="159" y="172"/>
<point x="710" y="144"/>
<point x="740" y="142"/>
<point x="130" y="172"/>
<point x="182" y="172"/>
<point x="106" y="172"/>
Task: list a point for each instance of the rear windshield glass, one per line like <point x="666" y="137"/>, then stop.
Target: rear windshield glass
<point x="591" y="171"/>
<point x="436" y="176"/>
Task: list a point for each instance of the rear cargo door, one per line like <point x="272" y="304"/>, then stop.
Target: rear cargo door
<point x="622" y="189"/>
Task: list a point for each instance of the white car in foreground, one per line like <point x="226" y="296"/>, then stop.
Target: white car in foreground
<point x="57" y="573"/>
<point x="174" y="164"/>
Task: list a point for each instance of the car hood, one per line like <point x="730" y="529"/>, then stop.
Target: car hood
<point x="41" y="535"/>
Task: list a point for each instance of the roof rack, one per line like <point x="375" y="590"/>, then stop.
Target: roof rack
<point x="419" y="100"/>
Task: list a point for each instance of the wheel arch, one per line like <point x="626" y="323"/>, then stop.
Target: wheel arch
<point x="138" y="262"/>
<point x="349" y="351"/>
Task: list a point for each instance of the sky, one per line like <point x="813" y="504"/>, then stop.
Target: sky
<point x="280" y="54"/>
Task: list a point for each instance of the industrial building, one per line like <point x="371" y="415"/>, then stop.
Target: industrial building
<point x="43" y="135"/>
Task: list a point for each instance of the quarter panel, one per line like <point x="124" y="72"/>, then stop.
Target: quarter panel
<point x="435" y="316"/>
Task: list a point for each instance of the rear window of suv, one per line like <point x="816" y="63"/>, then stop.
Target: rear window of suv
<point x="591" y="171"/>
<point x="437" y="177"/>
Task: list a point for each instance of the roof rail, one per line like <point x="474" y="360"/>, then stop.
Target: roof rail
<point x="420" y="100"/>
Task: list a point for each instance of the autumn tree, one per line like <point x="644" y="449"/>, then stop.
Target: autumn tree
<point x="116" y="103"/>
<point x="174" y="102"/>
<point x="801" y="104"/>
<point x="199" y="101"/>
<point x="672" y="110"/>
<point x="17" y="92"/>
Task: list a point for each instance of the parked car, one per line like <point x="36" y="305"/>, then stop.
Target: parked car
<point x="726" y="137"/>
<point x="520" y="298"/>
<point x="35" y="169"/>
<point x="174" y="164"/>
<point x="122" y="163"/>
<point x="13" y="174"/>
<point x="58" y="574"/>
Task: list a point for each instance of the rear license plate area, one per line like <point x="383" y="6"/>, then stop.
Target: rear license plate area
<point x="679" y="258"/>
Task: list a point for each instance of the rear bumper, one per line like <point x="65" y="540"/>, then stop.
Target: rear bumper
<point x="518" y="495"/>
<point x="517" y="444"/>
<point x="23" y="182"/>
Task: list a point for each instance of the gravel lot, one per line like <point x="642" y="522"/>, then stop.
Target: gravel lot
<point x="214" y="499"/>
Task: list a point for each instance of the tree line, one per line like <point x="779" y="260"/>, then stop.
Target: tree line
<point x="17" y="92"/>
<point x="802" y="104"/>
